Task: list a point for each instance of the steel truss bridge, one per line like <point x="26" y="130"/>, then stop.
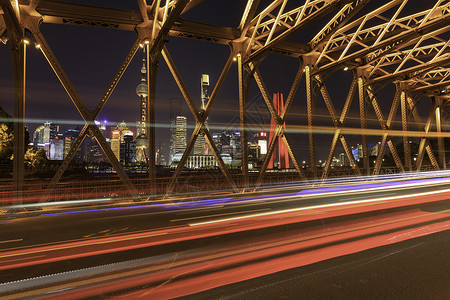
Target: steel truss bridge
<point x="378" y="41"/>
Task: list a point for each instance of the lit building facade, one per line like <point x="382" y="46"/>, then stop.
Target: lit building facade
<point x="56" y="149"/>
<point x="38" y="137"/>
<point x="177" y="136"/>
<point x="70" y="135"/>
<point x="161" y="157"/>
<point x="201" y="161"/>
<point x="261" y="139"/>
<point x="128" y="150"/>
<point x="117" y="137"/>
<point x="253" y="155"/>
<point x="44" y="136"/>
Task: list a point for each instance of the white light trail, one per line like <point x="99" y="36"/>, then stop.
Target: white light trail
<point x="320" y="206"/>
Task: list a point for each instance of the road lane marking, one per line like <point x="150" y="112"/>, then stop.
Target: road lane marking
<point x="23" y="258"/>
<point x="84" y="244"/>
<point x="11" y="241"/>
<point x="224" y="214"/>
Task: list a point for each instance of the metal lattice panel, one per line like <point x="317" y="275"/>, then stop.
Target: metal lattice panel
<point x="386" y="43"/>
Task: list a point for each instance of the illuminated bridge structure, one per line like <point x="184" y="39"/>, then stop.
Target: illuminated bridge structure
<point x="376" y="40"/>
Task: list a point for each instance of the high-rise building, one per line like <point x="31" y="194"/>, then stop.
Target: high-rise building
<point x="70" y="135"/>
<point x="117" y="134"/>
<point x="38" y="137"/>
<point x="177" y="135"/>
<point x="200" y="146"/>
<point x="141" y="135"/>
<point x="161" y="158"/>
<point x="253" y="155"/>
<point x="128" y="149"/>
<point x="261" y="139"/>
<point x="56" y="148"/>
<point x="91" y="150"/>
<point x="217" y="141"/>
<point x="343" y="160"/>
<point x="44" y="135"/>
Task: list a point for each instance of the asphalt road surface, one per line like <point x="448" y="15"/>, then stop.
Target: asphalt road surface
<point x="414" y="269"/>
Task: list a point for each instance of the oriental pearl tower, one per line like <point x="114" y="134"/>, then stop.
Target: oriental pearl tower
<point x="141" y="136"/>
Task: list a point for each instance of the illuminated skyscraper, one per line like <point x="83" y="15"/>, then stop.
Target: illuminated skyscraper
<point x="177" y="135"/>
<point x="141" y="135"/>
<point x="200" y="146"/>
<point x="44" y="136"/>
<point x="56" y="149"/>
<point x="70" y="135"/>
<point x="117" y="134"/>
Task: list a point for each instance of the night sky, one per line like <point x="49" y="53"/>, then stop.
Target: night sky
<point x="91" y="56"/>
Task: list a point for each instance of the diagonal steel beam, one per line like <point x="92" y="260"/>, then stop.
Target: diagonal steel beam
<point x="340" y="19"/>
<point x="200" y="118"/>
<point x="387" y="125"/>
<point x="292" y="92"/>
<point x="384" y="125"/>
<point x="112" y="85"/>
<point x="319" y="13"/>
<point x="62" y="168"/>
<point x="279" y="128"/>
<point x="265" y="94"/>
<point x="270" y="150"/>
<point x="167" y="25"/>
<point x="247" y="16"/>
<point x="176" y="75"/>
<point x="292" y="155"/>
<point x="84" y="112"/>
<point x="278" y="120"/>
<point x="424" y="142"/>
<point x="338" y="123"/>
<point x="331" y="153"/>
<point x="219" y="159"/>
<point x="66" y="162"/>
<point x="390" y="44"/>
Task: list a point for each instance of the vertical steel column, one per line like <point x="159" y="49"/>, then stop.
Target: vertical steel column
<point x="441" y="146"/>
<point x="243" y="95"/>
<point x="19" y="52"/>
<point x="424" y="144"/>
<point x="16" y="35"/>
<point x="310" y="102"/>
<point x="406" y="146"/>
<point x="152" y="70"/>
<point x="363" y="117"/>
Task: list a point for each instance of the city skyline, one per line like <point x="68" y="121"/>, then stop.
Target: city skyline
<point x="44" y="91"/>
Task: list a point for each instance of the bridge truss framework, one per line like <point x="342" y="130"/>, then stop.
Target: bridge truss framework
<point x="384" y="46"/>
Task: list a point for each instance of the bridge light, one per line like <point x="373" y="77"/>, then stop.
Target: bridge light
<point x="146" y="41"/>
<point x="26" y="41"/>
<point x="38" y="46"/>
<point x="345" y="68"/>
<point x="234" y="58"/>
